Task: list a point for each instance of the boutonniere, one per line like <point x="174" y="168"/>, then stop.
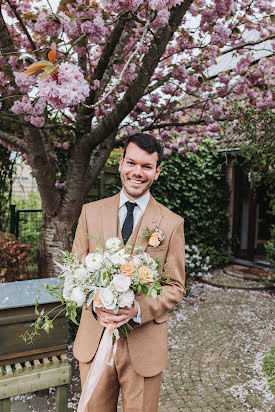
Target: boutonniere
<point x="155" y="236"/>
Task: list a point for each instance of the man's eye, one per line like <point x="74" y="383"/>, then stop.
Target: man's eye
<point x="130" y="163"/>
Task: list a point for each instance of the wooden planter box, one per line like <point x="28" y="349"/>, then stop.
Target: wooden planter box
<point x="17" y="314"/>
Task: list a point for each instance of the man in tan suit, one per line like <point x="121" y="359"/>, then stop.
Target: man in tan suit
<point x="140" y="359"/>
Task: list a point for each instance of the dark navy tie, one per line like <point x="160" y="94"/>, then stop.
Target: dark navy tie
<point x="128" y="224"/>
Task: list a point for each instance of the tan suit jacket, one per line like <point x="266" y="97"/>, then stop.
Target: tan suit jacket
<point x="147" y="342"/>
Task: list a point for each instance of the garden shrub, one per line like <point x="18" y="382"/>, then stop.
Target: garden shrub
<point x="269" y="368"/>
<point x="195" y="264"/>
<point x="14" y="258"/>
<point x="195" y="187"/>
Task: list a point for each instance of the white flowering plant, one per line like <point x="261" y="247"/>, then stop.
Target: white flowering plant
<point x="196" y="265"/>
<point x="110" y="278"/>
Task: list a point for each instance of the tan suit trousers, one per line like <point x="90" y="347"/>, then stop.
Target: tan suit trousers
<point x="139" y="394"/>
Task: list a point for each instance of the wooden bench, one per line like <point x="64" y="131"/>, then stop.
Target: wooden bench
<point x="22" y="378"/>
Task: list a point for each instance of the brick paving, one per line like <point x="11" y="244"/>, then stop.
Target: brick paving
<point x="217" y="338"/>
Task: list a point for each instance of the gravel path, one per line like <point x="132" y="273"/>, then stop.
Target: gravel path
<point x="217" y="339"/>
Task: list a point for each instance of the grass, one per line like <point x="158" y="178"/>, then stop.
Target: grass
<point x="269" y="368"/>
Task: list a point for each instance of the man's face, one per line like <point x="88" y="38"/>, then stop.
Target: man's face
<point x="138" y="170"/>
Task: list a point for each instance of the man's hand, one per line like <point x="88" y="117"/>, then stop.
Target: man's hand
<point x="107" y="316"/>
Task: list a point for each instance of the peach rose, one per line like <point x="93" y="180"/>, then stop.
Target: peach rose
<point x="127" y="269"/>
<point x="98" y="302"/>
<point x="154" y="239"/>
<point x="145" y="274"/>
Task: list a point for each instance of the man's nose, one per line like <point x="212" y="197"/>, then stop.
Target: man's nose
<point x="137" y="170"/>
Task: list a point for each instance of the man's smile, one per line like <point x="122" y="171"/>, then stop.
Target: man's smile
<point x="135" y="181"/>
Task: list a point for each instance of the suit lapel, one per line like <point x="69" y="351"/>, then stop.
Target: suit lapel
<point x="110" y="217"/>
<point x="150" y="219"/>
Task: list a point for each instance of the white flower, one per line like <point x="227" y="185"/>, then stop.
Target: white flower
<point x="113" y="244"/>
<point x="119" y="258"/>
<point x="149" y="260"/>
<point x="107" y="259"/>
<point x="126" y="299"/>
<point x="192" y="265"/>
<point x="187" y="256"/>
<point x="78" y="296"/>
<point x="107" y="298"/>
<point x="94" y="261"/>
<point x="137" y="260"/>
<point x="80" y="273"/>
<point x="67" y="291"/>
<point x="121" y="283"/>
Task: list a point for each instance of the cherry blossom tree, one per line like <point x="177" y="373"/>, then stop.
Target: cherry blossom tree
<point x="76" y="79"/>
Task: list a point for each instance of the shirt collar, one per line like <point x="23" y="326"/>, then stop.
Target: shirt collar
<point x="142" y="201"/>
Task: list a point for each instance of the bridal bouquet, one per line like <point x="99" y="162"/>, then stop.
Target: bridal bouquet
<point x="110" y="278"/>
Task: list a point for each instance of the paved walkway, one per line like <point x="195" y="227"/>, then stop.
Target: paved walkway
<point x="217" y="338"/>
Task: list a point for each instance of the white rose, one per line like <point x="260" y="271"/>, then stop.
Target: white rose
<point x="107" y="298"/>
<point x="119" y="258"/>
<point x="113" y="244"/>
<point x="126" y="299"/>
<point x="121" y="283"/>
<point x="78" y="296"/>
<point x="94" y="261"/>
<point x="80" y="273"/>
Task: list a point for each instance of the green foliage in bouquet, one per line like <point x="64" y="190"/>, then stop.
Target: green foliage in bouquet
<point x="108" y="278"/>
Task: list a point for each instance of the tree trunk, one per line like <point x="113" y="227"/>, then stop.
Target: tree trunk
<point x="56" y="235"/>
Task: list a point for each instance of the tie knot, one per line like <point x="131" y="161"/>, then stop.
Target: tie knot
<point x="130" y="206"/>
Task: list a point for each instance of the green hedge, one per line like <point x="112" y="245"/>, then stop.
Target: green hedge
<point x="194" y="187"/>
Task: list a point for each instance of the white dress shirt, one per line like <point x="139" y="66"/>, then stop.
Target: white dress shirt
<point x="141" y="203"/>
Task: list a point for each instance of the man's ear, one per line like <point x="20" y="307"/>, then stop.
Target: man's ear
<point x="158" y="170"/>
<point x="120" y="163"/>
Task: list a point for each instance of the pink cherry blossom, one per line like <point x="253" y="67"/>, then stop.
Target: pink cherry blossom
<point x="37" y="121"/>
<point x="70" y="87"/>
<point x="24" y="82"/>
<point x="220" y="35"/>
<point x="161" y="20"/>
<point x="167" y="152"/>
<point x="180" y="73"/>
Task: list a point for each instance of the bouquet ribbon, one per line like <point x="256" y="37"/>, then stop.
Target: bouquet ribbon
<point x="98" y="365"/>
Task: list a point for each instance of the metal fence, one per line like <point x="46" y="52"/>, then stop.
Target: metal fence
<point x="26" y="225"/>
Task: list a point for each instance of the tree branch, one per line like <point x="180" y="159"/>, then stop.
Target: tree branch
<point x="14" y="141"/>
<point x="43" y="168"/>
<point x="116" y="54"/>
<point x="99" y="158"/>
<point x="7" y="47"/>
<point x="137" y="87"/>
<point x="112" y="44"/>
<point x="158" y="83"/>
<point x="173" y="124"/>
<point x="249" y="43"/>
<point x="24" y="28"/>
